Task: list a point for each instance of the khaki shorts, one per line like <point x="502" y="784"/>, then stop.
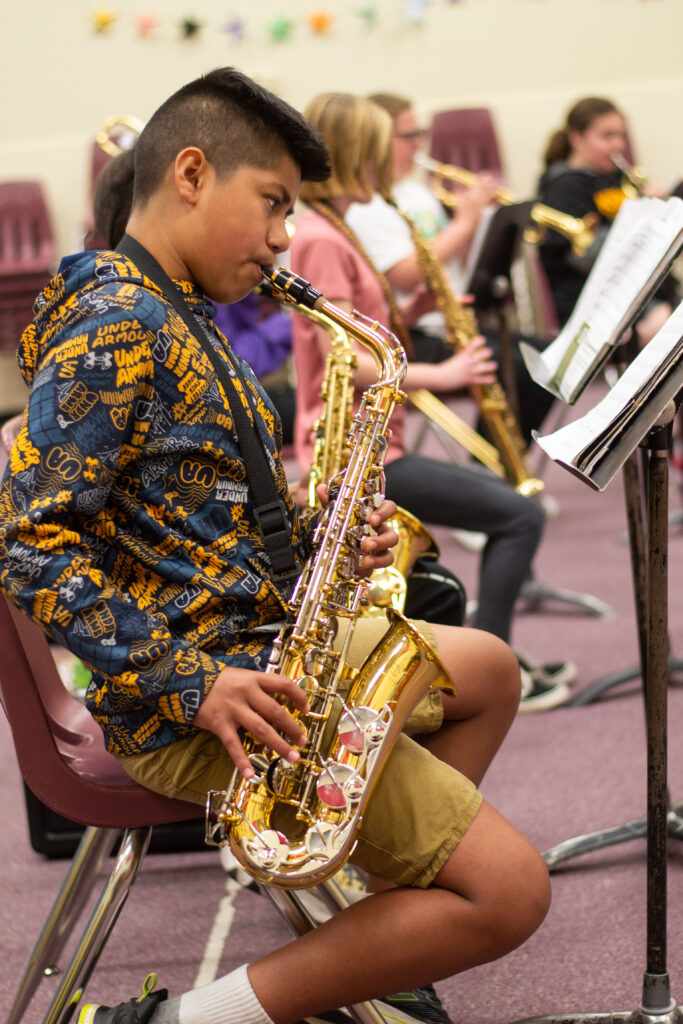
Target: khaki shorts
<point x="418" y="812"/>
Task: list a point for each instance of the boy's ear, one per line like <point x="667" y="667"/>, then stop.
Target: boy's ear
<point x="189" y="172"/>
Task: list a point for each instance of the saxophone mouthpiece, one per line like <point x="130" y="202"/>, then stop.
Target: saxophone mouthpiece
<point x="292" y="288"/>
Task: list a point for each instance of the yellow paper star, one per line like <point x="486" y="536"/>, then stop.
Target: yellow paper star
<point x="320" y="22"/>
<point x="102" y="18"/>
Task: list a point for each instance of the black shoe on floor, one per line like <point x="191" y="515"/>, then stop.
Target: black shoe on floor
<point x="417" y="1005"/>
<point x="135" y="1011"/>
<point x="538" y="696"/>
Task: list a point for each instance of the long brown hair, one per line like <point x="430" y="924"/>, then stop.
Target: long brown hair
<point x="579" y="118"/>
<point x="357" y="134"/>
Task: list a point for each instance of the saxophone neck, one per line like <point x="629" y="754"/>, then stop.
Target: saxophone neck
<point x="385" y="347"/>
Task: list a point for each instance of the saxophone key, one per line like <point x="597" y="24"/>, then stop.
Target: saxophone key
<point x="338" y="785"/>
<point x="361" y="727"/>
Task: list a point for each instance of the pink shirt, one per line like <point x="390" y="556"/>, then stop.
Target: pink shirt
<point x="323" y="256"/>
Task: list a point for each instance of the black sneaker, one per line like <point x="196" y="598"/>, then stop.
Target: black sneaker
<point x="538" y="696"/>
<point x="551" y="673"/>
<point x="135" y="1011"/>
<point x="418" y="1004"/>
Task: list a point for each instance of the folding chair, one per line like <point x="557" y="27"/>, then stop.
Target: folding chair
<point x="63" y="761"/>
<point x="467" y="138"/>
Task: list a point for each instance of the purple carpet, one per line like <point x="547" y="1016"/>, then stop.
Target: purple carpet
<point x="560" y="774"/>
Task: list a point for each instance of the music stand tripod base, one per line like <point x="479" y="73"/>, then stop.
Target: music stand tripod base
<point x="639" y="1016"/>
<point x="656" y="1003"/>
<point x="535" y="593"/>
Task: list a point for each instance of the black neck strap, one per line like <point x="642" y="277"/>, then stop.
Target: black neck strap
<point x="269" y="509"/>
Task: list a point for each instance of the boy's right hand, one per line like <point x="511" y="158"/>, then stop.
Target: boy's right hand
<point x="243" y="699"/>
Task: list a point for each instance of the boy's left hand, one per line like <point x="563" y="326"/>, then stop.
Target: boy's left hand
<point x="376" y="548"/>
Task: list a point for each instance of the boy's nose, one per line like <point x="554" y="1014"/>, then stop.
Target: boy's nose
<point x="279" y="236"/>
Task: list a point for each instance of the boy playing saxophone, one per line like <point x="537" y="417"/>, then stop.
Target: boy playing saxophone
<point x="127" y="481"/>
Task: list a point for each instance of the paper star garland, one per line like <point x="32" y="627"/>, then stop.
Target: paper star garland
<point x="190" y="27"/>
<point x="415" y="11"/>
<point x="368" y="15"/>
<point x="280" y="29"/>
<point x="236" y="28"/>
<point x="102" y="18"/>
<point x="320" y="22"/>
<point x="146" y="23"/>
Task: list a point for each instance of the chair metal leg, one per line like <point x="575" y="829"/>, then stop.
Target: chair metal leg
<point x="131" y="854"/>
<point x="87" y="863"/>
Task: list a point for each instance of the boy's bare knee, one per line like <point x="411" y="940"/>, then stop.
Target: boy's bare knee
<point x="529" y="904"/>
<point x="502" y="672"/>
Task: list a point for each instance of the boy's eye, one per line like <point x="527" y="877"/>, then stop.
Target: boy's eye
<point x="273" y="202"/>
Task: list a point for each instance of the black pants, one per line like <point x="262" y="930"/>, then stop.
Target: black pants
<point x="534" y="401"/>
<point x="445" y="494"/>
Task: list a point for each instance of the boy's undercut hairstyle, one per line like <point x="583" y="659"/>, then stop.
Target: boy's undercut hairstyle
<point x="235" y="122"/>
<point x="358" y="136"/>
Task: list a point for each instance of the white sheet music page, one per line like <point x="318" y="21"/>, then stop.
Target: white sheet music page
<point x="638" y="249"/>
<point x="597" y="445"/>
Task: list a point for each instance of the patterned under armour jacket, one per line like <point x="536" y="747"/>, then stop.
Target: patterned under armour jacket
<point x="126" y="521"/>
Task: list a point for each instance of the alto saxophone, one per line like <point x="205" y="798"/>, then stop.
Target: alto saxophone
<point x="461" y="328"/>
<point x="388" y="586"/>
<point x="294" y="825"/>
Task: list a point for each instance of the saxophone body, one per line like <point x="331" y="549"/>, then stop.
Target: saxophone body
<point x="295" y="825"/>
<point x="332" y="446"/>
<point x="461" y="327"/>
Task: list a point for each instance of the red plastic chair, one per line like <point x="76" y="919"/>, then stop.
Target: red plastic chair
<point x="466" y="138"/>
<point x="63" y="761"/>
<point x="26" y="240"/>
<point x="27" y="254"/>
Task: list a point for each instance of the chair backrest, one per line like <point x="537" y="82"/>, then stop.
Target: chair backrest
<point x="466" y="138"/>
<point x="27" y="244"/>
<point x="59" y="745"/>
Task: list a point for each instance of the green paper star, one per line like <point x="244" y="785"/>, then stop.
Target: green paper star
<point x="280" y="28"/>
<point x="369" y="15"/>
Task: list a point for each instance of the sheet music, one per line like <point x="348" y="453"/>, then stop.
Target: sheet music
<point x="480" y="233"/>
<point x="637" y="252"/>
<point x="596" y="445"/>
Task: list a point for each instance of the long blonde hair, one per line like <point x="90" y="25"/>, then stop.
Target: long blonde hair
<point x="358" y="136"/>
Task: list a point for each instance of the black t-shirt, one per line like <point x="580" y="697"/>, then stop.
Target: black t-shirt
<point x="576" y="192"/>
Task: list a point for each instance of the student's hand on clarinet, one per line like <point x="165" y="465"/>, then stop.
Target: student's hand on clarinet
<point x="472" y="365"/>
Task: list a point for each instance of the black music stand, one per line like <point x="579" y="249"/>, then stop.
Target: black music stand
<point x="656" y="1006"/>
<point x="635" y="486"/>
<point x="489" y="281"/>
<point x="489" y="284"/>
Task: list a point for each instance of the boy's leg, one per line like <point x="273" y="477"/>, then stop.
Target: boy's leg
<point x="488" y="892"/>
<point x="486" y="676"/>
<point x="491" y="894"/>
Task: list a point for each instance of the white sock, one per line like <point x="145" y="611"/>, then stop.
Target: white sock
<point x="229" y="1000"/>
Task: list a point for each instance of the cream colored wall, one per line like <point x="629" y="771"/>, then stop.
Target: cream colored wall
<point x="526" y="59"/>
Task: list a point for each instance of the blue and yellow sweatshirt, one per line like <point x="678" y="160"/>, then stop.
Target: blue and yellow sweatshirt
<point x="126" y="520"/>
